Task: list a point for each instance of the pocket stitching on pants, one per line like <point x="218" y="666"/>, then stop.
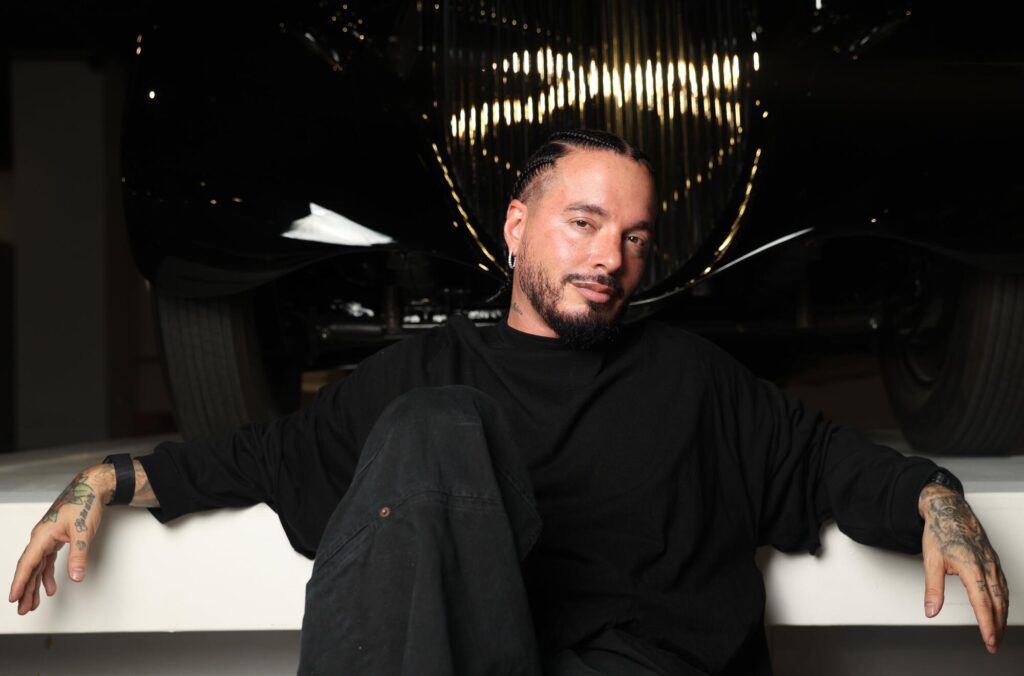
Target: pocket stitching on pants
<point x="360" y="533"/>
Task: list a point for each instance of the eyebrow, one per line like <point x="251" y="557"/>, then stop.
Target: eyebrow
<point x="596" y="210"/>
<point x="588" y="208"/>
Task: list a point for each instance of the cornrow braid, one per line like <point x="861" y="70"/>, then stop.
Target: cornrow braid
<point x="561" y="143"/>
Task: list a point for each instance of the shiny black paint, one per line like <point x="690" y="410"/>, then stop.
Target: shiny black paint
<point x="229" y="139"/>
<point x="906" y="126"/>
<point x="891" y="122"/>
<point x="249" y="124"/>
<point x="895" y="126"/>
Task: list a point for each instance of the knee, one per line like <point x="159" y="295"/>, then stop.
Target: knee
<point x="441" y="406"/>
<point x="433" y="436"/>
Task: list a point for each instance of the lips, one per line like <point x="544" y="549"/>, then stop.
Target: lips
<point x="597" y="293"/>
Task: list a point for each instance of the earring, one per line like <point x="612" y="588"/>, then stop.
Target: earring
<point x="511" y="261"/>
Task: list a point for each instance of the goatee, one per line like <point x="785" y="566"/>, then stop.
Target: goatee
<point x="578" y="330"/>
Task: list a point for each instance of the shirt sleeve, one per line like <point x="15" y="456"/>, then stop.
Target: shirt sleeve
<point x="301" y="464"/>
<point x="801" y="469"/>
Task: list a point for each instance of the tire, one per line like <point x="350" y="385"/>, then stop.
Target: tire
<point x="219" y="369"/>
<point x="955" y="376"/>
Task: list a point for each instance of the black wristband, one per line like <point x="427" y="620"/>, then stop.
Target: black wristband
<point x="124" y="470"/>
<point x="944" y="478"/>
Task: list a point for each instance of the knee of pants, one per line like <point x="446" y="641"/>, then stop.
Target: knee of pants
<point x="442" y="405"/>
<point x="441" y="438"/>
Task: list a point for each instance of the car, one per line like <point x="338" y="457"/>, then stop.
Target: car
<point x="307" y="183"/>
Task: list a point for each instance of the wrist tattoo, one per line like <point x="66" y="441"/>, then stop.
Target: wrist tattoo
<point x="78" y="492"/>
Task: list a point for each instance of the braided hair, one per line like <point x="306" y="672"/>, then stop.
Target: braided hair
<point x="560" y="144"/>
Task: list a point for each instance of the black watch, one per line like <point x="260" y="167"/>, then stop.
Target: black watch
<point x="124" y="471"/>
<point x="944" y="478"/>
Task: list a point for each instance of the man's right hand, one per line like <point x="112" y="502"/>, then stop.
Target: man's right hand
<point x="73" y="518"/>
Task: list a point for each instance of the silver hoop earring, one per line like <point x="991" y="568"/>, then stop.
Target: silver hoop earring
<point x="511" y="261"/>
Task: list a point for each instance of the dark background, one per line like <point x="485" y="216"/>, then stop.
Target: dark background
<point x="79" y="360"/>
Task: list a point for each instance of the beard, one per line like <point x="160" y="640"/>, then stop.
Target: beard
<point x="581" y="330"/>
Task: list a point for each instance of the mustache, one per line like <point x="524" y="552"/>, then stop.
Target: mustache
<point x="603" y="280"/>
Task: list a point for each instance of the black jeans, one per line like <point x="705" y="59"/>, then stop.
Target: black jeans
<point x="419" y="568"/>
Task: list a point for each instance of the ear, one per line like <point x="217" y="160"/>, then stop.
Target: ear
<point x="515" y="221"/>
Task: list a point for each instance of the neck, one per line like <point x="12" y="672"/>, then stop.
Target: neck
<point x="522" y="317"/>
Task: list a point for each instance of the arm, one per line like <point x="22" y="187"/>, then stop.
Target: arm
<point x="73" y="518"/>
<point x="954" y="543"/>
<point x="801" y="469"/>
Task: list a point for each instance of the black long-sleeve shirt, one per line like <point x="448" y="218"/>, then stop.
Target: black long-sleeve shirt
<point x="659" y="465"/>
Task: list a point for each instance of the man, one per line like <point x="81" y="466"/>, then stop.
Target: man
<point x="558" y="493"/>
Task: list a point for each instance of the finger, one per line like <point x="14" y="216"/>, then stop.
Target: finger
<point x="78" y="555"/>
<point x="27" y="564"/>
<point x="21" y="572"/>
<point x="36" y="596"/>
<point x="978" y="594"/>
<point x="1000" y="602"/>
<point x="934" y="582"/>
<point x="28" y="597"/>
<point x="49" y="581"/>
<point x="16" y="583"/>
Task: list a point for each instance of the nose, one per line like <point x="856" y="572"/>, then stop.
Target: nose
<point x="607" y="252"/>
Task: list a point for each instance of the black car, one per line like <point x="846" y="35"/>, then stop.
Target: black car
<point x="305" y="184"/>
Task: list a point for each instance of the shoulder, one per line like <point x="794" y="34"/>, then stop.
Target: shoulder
<point x="419" y="349"/>
<point x="695" y="355"/>
<point x="659" y="336"/>
<point x="442" y="343"/>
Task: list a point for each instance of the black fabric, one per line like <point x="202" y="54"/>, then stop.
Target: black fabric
<point x="418" y="571"/>
<point x="658" y="464"/>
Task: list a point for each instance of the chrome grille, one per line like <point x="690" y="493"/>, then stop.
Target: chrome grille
<point x="674" y="78"/>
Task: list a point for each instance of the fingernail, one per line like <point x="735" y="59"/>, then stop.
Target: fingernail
<point x="929" y="609"/>
<point x="77" y="574"/>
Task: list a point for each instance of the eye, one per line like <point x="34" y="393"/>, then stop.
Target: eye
<point x="580" y="223"/>
<point x="637" y="241"/>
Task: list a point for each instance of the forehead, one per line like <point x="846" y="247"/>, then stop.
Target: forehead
<point x="617" y="183"/>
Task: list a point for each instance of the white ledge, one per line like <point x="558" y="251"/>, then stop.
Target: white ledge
<point x="233" y="570"/>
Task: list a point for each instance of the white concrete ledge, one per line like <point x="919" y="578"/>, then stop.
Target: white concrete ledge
<point x="850" y="584"/>
<point x="233" y="570"/>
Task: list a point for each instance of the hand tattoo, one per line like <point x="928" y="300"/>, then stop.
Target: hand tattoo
<point x="80" y="544"/>
<point x="80" y="521"/>
<point x="75" y="493"/>
<point x="958" y="530"/>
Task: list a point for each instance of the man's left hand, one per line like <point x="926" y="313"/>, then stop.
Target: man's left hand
<point x="954" y="543"/>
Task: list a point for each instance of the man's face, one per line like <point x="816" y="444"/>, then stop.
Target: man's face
<point x="580" y="242"/>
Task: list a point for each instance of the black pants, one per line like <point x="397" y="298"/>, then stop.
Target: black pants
<point x="418" y="571"/>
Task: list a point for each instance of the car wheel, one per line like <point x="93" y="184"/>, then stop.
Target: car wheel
<point x="221" y="364"/>
<point x="953" y="363"/>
